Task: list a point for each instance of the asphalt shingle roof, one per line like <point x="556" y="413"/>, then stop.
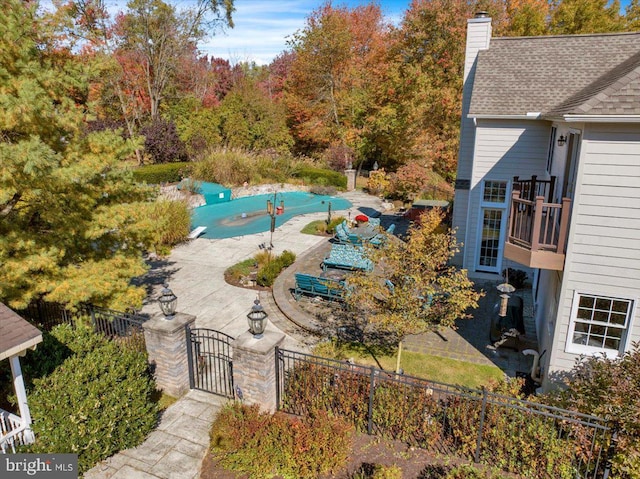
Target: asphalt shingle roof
<point x="596" y="74"/>
<point x="16" y="334"/>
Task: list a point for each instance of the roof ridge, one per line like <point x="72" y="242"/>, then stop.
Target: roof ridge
<point x="601" y="88"/>
<point x="575" y="35"/>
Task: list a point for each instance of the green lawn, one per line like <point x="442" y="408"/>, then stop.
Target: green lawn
<point x="434" y="368"/>
<point x="315" y="228"/>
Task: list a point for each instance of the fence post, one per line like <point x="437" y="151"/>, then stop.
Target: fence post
<point x="167" y="348"/>
<point x="254" y="368"/>
<point x="476" y="457"/>
<point x="187" y="341"/>
<point x="611" y="451"/>
<point x="372" y="385"/>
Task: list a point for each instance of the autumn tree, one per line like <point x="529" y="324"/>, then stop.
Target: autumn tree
<point x="585" y="16"/>
<point x="413" y="289"/>
<point x="141" y="49"/>
<point x="632" y="16"/>
<point x="526" y="18"/>
<point x="72" y="220"/>
<point x="431" y="40"/>
<point x="249" y="119"/>
<point x="333" y="91"/>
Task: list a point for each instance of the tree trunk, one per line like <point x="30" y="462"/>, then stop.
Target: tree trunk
<point x="398" y="370"/>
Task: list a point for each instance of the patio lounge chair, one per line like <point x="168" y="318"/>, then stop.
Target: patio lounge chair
<point x="345" y="256"/>
<point x="344" y="236"/>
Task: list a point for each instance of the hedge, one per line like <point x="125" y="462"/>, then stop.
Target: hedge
<point x="97" y="402"/>
<point x="162" y="173"/>
<point x="319" y="176"/>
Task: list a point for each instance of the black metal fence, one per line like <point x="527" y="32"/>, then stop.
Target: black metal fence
<point x="46" y="315"/>
<point x="518" y="436"/>
<point x="120" y="326"/>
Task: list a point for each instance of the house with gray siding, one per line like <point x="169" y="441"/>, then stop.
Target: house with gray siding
<point x="549" y="182"/>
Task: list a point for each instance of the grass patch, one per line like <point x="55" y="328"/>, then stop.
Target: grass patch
<point x="444" y="370"/>
<point x="433" y="368"/>
<point x="165" y="401"/>
<point x="317" y="228"/>
<point x="239" y="270"/>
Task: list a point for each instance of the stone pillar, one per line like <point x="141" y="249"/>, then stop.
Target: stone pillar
<point x="254" y="368"/>
<point x="351" y="179"/>
<point x="166" y="341"/>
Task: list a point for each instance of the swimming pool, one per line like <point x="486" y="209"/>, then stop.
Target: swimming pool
<point x="248" y="215"/>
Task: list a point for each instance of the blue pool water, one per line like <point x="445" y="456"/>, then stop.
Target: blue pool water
<point x="248" y="215"/>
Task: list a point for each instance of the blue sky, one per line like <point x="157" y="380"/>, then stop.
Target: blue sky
<point x="262" y="27"/>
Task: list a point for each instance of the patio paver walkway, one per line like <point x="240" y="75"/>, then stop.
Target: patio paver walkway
<point x="174" y="450"/>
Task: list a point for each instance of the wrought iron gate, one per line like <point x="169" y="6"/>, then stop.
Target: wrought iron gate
<point x="210" y="364"/>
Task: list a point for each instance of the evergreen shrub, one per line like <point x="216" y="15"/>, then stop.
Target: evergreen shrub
<point x="162" y="173"/>
<point x="319" y="176"/>
<point x="97" y="402"/>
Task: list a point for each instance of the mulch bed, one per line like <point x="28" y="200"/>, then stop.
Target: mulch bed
<point x="367" y="452"/>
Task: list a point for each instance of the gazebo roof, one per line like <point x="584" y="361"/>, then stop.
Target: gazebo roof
<point x="16" y="334"/>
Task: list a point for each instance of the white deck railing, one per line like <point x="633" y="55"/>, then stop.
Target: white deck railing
<point x="13" y="432"/>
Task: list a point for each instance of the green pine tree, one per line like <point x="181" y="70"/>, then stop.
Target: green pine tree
<point x="73" y="222"/>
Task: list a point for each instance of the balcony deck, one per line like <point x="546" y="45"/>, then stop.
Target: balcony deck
<point x="538" y="229"/>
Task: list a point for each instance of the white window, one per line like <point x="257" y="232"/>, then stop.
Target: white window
<point x="599" y="324"/>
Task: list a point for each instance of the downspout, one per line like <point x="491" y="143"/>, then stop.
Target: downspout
<point x="535" y="368"/>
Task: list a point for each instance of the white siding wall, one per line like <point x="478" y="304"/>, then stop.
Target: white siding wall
<point x="603" y="255"/>
<point x="503" y="149"/>
<point x="546" y="311"/>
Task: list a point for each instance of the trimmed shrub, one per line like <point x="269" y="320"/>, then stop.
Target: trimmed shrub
<point x="164" y="173"/>
<point x="262" y="445"/>
<point x="96" y="403"/>
<point x="319" y="176"/>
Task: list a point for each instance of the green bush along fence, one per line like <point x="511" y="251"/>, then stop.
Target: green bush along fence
<point x="528" y="438"/>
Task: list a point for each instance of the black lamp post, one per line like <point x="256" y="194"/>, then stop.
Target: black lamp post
<point x="168" y="302"/>
<point x="257" y="318"/>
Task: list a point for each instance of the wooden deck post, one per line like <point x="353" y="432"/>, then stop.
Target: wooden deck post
<point x="564" y="224"/>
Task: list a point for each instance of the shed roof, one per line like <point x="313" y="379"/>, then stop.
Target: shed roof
<point x="16" y="334"/>
<point x="597" y="74"/>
